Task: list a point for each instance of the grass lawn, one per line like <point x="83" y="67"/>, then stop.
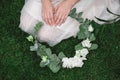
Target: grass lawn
<point x="18" y="63"/>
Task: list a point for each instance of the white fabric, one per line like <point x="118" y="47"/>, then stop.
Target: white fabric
<point x="31" y="15"/>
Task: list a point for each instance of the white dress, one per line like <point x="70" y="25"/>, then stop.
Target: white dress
<point x="31" y="15"/>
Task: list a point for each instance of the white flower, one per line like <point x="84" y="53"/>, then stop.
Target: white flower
<point x="78" y="53"/>
<point x="90" y="28"/>
<point x="84" y="52"/>
<point x="72" y="62"/>
<point x="66" y="62"/>
<point x="86" y="43"/>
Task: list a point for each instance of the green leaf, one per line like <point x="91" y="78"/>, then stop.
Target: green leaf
<point x="54" y="57"/>
<point x="30" y="38"/>
<point x="54" y="67"/>
<point x="38" y="26"/>
<point x="34" y="48"/>
<point x="61" y="55"/>
<point x="80" y="14"/>
<point x="48" y="52"/>
<point x="44" y="58"/>
<point x="54" y="63"/>
<point x="81" y="36"/>
<point x="92" y="37"/>
<point x="87" y="33"/>
<point x="83" y="33"/>
<point x="43" y="64"/>
<point x="80" y="20"/>
<point x="93" y="47"/>
<point x="72" y="13"/>
<point x="41" y="50"/>
<point x="78" y="46"/>
<point x="84" y="29"/>
<point x="87" y="22"/>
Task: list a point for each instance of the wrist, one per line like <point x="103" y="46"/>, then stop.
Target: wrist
<point x="46" y="1"/>
<point x="72" y="2"/>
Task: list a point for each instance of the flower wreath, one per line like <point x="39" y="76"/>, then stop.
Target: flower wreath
<point x="55" y="62"/>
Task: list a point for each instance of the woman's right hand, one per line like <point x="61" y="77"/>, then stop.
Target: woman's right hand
<point x="48" y="12"/>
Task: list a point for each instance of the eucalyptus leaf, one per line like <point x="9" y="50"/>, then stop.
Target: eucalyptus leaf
<point x="30" y="38"/>
<point x="38" y="26"/>
<point x="54" y="67"/>
<point x="72" y="13"/>
<point x="41" y="50"/>
<point x="54" y="58"/>
<point x="48" y="52"/>
<point x="80" y="14"/>
<point x="34" y="48"/>
<point x="81" y="36"/>
<point x="44" y="58"/>
<point x="83" y="33"/>
<point x="82" y="29"/>
<point x="61" y="55"/>
<point x="80" y="20"/>
<point x="84" y="26"/>
<point x="87" y="22"/>
<point x="87" y="33"/>
<point x="43" y="64"/>
<point x="92" y="37"/>
<point x="93" y="47"/>
<point x="78" y="47"/>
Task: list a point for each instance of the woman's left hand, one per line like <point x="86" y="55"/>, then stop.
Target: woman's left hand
<point x="61" y="12"/>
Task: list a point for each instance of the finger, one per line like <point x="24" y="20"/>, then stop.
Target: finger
<point x="56" y="13"/>
<point x="62" y="20"/>
<point x="55" y="17"/>
<point x="65" y="17"/>
<point x="53" y="10"/>
<point x="56" y="8"/>
<point x="46" y="19"/>
<point x="59" y="18"/>
<point x="49" y="18"/>
<point x="52" y="18"/>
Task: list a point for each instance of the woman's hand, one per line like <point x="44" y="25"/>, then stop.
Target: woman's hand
<point x="62" y="11"/>
<point x="48" y="12"/>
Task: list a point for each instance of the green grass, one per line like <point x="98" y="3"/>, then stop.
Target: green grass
<point x="18" y="63"/>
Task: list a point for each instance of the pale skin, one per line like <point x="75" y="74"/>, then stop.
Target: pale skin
<point x="56" y="15"/>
